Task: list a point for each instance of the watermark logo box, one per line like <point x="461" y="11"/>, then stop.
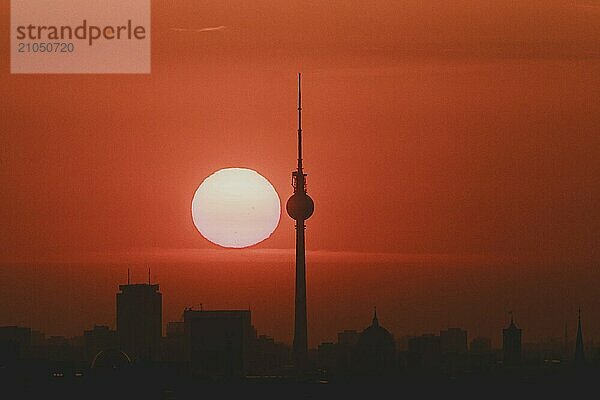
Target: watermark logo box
<point x="80" y="36"/>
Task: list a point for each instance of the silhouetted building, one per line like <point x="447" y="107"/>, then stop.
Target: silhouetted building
<point x="579" y="351"/>
<point x="348" y="337"/>
<point x="453" y="345"/>
<point x="268" y="357"/>
<point x="375" y="351"/>
<point x="300" y="207"/>
<point x="480" y="354"/>
<point x="139" y="321"/>
<point x="38" y="344"/>
<point x="110" y="360"/>
<point x="336" y="360"/>
<point x="402" y="351"/>
<point x="480" y="345"/>
<point x="327" y="356"/>
<point x="100" y="338"/>
<point x="453" y="341"/>
<point x="424" y="353"/>
<point x="58" y="349"/>
<point x="547" y="351"/>
<point x="175" y="329"/>
<point x="15" y="343"/>
<point x="37" y="338"/>
<point x="219" y="343"/>
<point x="64" y="355"/>
<point x="174" y="344"/>
<point x="511" y="344"/>
<point x="346" y="341"/>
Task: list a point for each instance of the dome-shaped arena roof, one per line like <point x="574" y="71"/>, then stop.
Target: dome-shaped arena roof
<point x="111" y="359"/>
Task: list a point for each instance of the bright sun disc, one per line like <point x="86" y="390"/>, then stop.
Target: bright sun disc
<point x="236" y="207"/>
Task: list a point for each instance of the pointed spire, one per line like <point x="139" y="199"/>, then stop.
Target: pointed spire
<point x="512" y="320"/>
<point x="299" y="122"/>
<point x="579" y="352"/>
<point x="375" y="320"/>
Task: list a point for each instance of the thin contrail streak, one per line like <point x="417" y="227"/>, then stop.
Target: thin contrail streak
<point x="208" y="29"/>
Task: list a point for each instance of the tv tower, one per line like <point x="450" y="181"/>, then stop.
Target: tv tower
<point x="300" y="207"/>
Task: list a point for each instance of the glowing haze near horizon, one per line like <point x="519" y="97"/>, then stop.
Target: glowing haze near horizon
<point x="442" y="129"/>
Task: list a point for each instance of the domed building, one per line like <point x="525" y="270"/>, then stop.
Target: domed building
<point x="375" y="352"/>
<point x="111" y="360"/>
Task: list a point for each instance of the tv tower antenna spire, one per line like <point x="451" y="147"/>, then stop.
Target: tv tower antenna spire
<point x="299" y="123"/>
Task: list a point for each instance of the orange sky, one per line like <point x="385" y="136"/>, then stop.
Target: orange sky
<point x="454" y="128"/>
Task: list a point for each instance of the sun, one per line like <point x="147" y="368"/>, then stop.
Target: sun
<point x="236" y="208"/>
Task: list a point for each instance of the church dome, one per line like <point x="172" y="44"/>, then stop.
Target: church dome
<point x="376" y="336"/>
<point x="375" y="352"/>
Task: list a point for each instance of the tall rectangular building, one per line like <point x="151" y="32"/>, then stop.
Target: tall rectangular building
<point x="139" y="321"/>
<point x="219" y="343"/>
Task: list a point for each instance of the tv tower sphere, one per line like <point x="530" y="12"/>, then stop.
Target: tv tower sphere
<point x="300" y="206"/>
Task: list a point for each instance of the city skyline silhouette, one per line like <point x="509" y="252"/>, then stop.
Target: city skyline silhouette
<point x="223" y="345"/>
<point x="440" y="222"/>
